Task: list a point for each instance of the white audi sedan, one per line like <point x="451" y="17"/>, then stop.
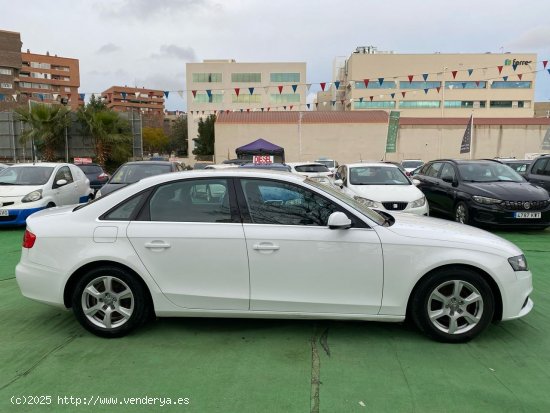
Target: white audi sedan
<point x="382" y="186"/>
<point x="267" y="244"/>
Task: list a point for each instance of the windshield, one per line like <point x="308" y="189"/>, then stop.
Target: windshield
<point x="91" y="169"/>
<point x="488" y="172"/>
<point x="311" y="168"/>
<point x="328" y="163"/>
<point x="373" y="215"/>
<point x="25" y="175"/>
<point x="412" y="164"/>
<point x="130" y="173"/>
<point x="377" y="175"/>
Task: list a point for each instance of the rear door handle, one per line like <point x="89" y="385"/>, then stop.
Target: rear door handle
<point x="265" y="247"/>
<point x="157" y="245"/>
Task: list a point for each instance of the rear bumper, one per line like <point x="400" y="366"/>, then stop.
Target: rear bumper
<point x="18" y="217"/>
<point x="39" y="283"/>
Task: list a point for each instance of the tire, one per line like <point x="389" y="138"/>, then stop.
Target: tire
<point x="438" y="305"/>
<point x="110" y="302"/>
<point x="461" y="214"/>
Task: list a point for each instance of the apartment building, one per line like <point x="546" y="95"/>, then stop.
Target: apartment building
<point x="10" y="65"/>
<point x="437" y="85"/>
<point x="49" y="79"/>
<point x="222" y="85"/>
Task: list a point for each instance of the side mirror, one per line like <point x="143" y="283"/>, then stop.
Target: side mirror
<point x="339" y="220"/>
<point x="339" y="182"/>
<point x="448" y="179"/>
<point x="60" y="182"/>
<point x="337" y="175"/>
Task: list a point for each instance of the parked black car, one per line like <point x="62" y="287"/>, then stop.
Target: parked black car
<point x="539" y="172"/>
<point x="483" y="192"/>
<point x="131" y="172"/>
<point x="96" y="175"/>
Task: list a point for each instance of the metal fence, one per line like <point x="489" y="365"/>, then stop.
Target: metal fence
<point x="76" y="143"/>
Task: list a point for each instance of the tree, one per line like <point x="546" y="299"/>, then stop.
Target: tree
<point x="111" y="135"/>
<point x="204" y="143"/>
<point x="178" y="137"/>
<point x="154" y="139"/>
<point x="47" y="127"/>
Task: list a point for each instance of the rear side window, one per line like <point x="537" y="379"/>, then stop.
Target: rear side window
<point x="541" y="167"/>
<point x="126" y="210"/>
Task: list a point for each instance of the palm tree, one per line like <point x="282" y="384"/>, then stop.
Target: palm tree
<point x="47" y="125"/>
<point x="111" y="135"/>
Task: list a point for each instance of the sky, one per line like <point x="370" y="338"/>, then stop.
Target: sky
<point x="146" y="43"/>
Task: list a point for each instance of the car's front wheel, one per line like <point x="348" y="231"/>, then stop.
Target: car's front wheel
<point x="109" y="302"/>
<point x="453" y="305"/>
<point x="461" y="213"/>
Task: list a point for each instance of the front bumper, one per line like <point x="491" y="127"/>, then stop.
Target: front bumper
<point x="494" y="215"/>
<point x="17" y="217"/>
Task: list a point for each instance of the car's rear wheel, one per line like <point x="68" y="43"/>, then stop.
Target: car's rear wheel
<point x="461" y="213"/>
<point x="453" y="305"/>
<point x="109" y="302"/>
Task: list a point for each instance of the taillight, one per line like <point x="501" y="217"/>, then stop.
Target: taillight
<point x="103" y="176"/>
<point x="28" y="239"/>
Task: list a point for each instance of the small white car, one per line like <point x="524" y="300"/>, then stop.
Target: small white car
<point x="268" y="245"/>
<point x="382" y="186"/>
<point x="411" y="164"/>
<point x="331" y="164"/>
<point x="313" y="170"/>
<point x="27" y="188"/>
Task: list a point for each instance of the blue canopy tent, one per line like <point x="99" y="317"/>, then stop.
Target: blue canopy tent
<point x="261" y="147"/>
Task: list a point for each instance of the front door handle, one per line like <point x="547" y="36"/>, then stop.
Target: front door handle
<point x="157" y="245"/>
<point x="265" y="247"/>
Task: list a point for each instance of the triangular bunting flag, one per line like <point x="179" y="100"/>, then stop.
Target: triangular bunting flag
<point x="268" y="108"/>
<point x="426" y="91"/>
<point x="294" y="87"/>
<point x="454" y="72"/>
<point x="505" y="78"/>
<point x="425" y="76"/>
<point x="470" y="71"/>
<point x="209" y="93"/>
<point x="392" y="95"/>
<point x="499" y="69"/>
<point x="307" y="105"/>
<point x="360" y="100"/>
<point x="248" y="110"/>
<point x="380" y="81"/>
<point x="323" y="84"/>
<point x="333" y="102"/>
<point x="180" y="93"/>
<point x="366" y="82"/>
<point x="251" y="90"/>
<point x="123" y="95"/>
<point x="342" y="102"/>
<point x="410" y="78"/>
<point x="308" y="86"/>
<point x="403" y="94"/>
<point x="514" y="67"/>
<point x="284" y="107"/>
<point x="191" y="113"/>
<point x="237" y="90"/>
<point x="463" y="85"/>
<point x="291" y="106"/>
<point x="371" y="97"/>
<point x="337" y="85"/>
<point x="137" y="94"/>
<point x="316" y="104"/>
<point x="477" y="83"/>
<point x="262" y="109"/>
<point x="438" y="88"/>
<point x="166" y="93"/>
<point x="194" y="93"/>
<point x="544" y="63"/>
<point x="280" y="87"/>
<point x="241" y="110"/>
<point x="548" y="71"/>
<point x="520" y="76"/>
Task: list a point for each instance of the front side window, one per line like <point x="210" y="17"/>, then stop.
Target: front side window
<point x="448" y="172"/>
<point x="280" y="203"/>
<point x="198" y="200"/>
<point x="63" y="173"/>
<point x="433" y="169"/>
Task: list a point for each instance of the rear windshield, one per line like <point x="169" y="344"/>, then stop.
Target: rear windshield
<point x="90" y="169"/>
<point x="412" y="164"/>
<point x="311" y="168"/>
<point x="128" y="174"/>
<point x="328" y="162"/>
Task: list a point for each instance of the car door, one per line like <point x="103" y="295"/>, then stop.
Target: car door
<point x="64" y="194"/>
<point x="444" y="192"/>
<point x="298" y="264"/>
<point x="540" y="173"/>
<point x="428" y="182"/>
<point x="193" y="244"/>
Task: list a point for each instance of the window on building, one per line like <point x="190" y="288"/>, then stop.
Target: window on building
<point x="244" y="98"/>
<point x="26" y="84"/>
<point x="464" y="104"/>
<point x="466" y="85"/>
<point x="38" y="75"/>
<point x="284" y="98"/>
<point x="67" y="89"/>
<point x="419" y="85"/>
<point x="510" y="85"/>
<point x="41" y="65"/>
<point x="419" y="104"/>
<point x="5" y="71"/>
<point x="207" y="77"/>
<point x="509" y="104"/>
<point x="284" y="77"/>
<point x="204" y="98"/>
<point x="374" y="105"/>
<point x="375" y="84"/>
<point x="246" y="77"/>
<point x="45" y="96"/>
<point x="5" y="85"/>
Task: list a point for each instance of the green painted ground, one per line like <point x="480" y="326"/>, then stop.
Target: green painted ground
<point x="268" y="365"/>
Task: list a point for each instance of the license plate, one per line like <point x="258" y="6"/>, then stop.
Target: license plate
<point x="4" y="212"/>
<point x="528" y="215"/>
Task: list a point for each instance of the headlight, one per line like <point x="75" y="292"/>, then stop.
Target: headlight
<point x="368" y="202"/>
<point x="486" y="201"/>
<point x="419" y="202"/>
<point x="33" y="196"/>
<point x="519" y="263"/>
<point x="98" y="194"/>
